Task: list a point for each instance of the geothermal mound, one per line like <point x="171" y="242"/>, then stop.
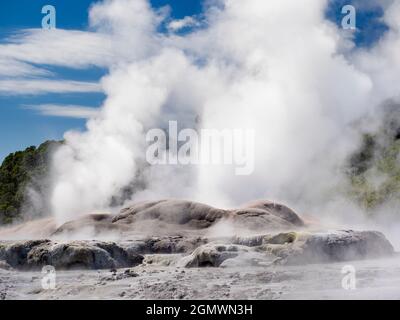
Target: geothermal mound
<point x="186" y="234"/>
<point x="168" y="217"/>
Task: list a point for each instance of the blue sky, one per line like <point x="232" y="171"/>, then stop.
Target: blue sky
<point x="21" y="127"/>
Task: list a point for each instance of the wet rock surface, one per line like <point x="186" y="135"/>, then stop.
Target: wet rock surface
<point x="283" y="248"/>
<point x="335" y="246"/>
<point x="212" y="255"/>
<point x="293" y="248"/>
<point x="4" y="265"/>
<point x="26" y="255"/>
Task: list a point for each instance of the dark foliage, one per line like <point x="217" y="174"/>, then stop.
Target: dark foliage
<point x="20" y="170"/>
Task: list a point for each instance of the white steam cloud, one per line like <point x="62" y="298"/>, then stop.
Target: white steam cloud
<point x="278" y="67"/>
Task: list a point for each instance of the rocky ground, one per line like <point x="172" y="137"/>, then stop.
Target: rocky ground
<point x="375" y="279"/>
<point x="183" y="250"/>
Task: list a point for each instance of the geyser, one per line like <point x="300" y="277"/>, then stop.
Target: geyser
<point x="300" y="89"/>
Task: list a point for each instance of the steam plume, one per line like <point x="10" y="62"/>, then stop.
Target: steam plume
<point x="278" y="66"/>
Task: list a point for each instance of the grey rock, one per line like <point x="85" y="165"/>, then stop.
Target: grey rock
<point x="211" y="255"/>
<point x="278" y="210"/>
<point x="4" y="265"/>
<point x="69" y="255"/>
<point x="292" y="248"/>
<point x="15" y="254"/>
<point x="344" y="245"/>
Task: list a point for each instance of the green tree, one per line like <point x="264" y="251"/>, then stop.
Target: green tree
<point x="20" y="170"/>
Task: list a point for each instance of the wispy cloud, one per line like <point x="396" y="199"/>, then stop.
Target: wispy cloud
<point x="10" y="67"/>
<point x="25" y="57"/>
<point x="39" y="86"/>
<point x="68" y="111"/>
<point x="186" y="22"/>
<point x="67" y="48"/>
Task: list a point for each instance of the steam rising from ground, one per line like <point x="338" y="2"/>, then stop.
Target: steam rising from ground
<point x="275" y="66"/>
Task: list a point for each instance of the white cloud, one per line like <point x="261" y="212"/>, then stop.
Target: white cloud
<point x="67" y="48"/>
<point x="39" y="86"/>
<point x="10" y="67"/>
<point x="114" y="38"/>
<point x="186" y="22"/>
<point x="68" y="111"/>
